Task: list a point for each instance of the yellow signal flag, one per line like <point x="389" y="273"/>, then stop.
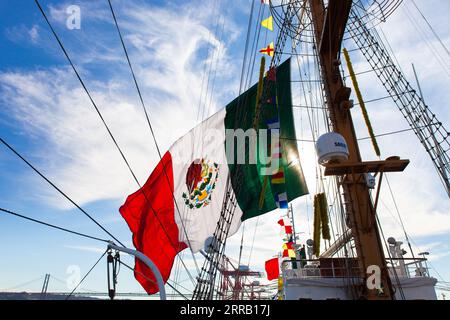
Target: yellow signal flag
<point x="268" y="23"/>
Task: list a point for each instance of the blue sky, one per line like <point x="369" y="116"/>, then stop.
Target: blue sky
<point x="45" y="114"/>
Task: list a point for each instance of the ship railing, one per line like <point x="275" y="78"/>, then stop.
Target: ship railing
<point x="408" y="267"/>
<point x="312" y="268"/>
<point x="343" y="268"/>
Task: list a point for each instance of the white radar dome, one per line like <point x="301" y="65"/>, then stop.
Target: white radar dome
<point x="331" y="147"/>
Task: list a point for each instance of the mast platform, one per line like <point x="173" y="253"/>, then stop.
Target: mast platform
<point x="392" y="164"/>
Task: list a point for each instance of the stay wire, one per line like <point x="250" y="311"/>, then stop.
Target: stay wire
<point x="430" y="44"/>
<point x="51" y="225"/>
<point x="400" y="219"/>
<point x="208" y="106"/>
<point x="431" y="28"/>
<point x="397" y="279"/>
<point x="149" y="125"/>
<point x="58" y="189"/>
<point x="410" y="238"/>
<point x="211" y="53"/>
<point x="244" y="60"/>
<point x="359" y="139"/>
<point x="85" y="276"/>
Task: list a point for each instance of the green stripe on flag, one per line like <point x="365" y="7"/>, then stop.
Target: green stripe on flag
<point x="246" y="179"/>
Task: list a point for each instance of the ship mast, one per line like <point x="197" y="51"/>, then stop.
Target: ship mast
<point x="329" y="25"/>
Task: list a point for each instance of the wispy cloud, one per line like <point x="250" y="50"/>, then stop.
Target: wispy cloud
<point x="34" y="33"/>
<point x="23" y="34"/>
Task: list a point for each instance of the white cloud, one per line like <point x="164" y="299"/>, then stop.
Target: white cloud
<point x="23" y="34"/>
<point x="34" y="33"/>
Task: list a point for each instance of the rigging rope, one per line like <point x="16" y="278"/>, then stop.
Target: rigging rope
<point x="431" y="28"/>
<point x="434" y="51"/>
<point x="58" y="189"/>
<point x="309" y="67"/>
<point x="255" y="45"/>
<point x="85" y="276"/>
<point x="244" y="60"/>
<point x="51" y="225"/>
<point x="212" y="55"/>
<point x="397" y="279"/>
<point x="400" y="217"/>
<point x="409" y="238"/>
<point x="206" y="109"/>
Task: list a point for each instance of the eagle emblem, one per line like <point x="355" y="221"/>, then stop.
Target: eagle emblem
<point x="201" y="179"/>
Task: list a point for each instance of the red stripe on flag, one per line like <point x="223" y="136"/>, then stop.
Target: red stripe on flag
<point x="149" y="213"/>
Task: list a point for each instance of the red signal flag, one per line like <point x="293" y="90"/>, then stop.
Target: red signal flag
<point x="272" y="269"/>
<point x="288" y="229"/>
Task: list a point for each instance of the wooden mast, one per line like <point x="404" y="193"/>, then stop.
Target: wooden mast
<point x="329" y="25"/>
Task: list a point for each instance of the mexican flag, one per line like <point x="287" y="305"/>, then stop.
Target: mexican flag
<point x="180" y="204"/>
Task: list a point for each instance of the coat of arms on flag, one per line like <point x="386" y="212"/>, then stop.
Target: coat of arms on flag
<point x="201" y="180"/>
